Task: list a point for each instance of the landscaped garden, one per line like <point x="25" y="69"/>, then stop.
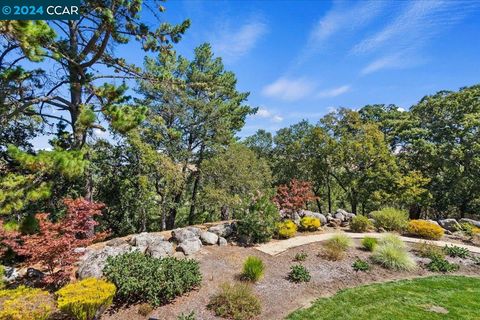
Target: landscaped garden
<point x="133" y="187"/>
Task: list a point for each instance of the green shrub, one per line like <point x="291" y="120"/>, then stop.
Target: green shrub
<point x="142" y="278"/>
<point x="360" y="265"/>
<point x="369" y="243"/>
<point x="336" y="246"/>
<point x="441" y="265"/>
<point x="25" y="303"/>
<point x="235" y="301"/>
<point x="299" y="273"/>
<point x="190" y="316"/>
<point x="427" y="250"/>
<point x="86" y="299"/>
<point x="310" y="223"/>
<point x="393" y="257"/>
<point x="360" y="224"/>
<point x="390" y="219"/>
<point x="286" y="229"/>
<point x="425" y="229"/>
<point x="301" y="256"/>
<point x="455" y="251"/>
<point x="258" y="224"/>
<point x="253" y="269"/>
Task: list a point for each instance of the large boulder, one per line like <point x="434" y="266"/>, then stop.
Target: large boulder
<point x="94" y="261"/>
<point x="190" y="246"/>
<point x="449" y="224"/>
<point x="160" y="249"/>
<point x="196" y="231"/>
<point x="470" y="221"/>
<point x="339" y="216"/>
<point x="224" y="230"/>
<point x="222" y="241"/>
<point x="181" y="235"/>
<point x="144" y="240"/>
<point x="319" y="216"/>
<point x="335" y="222"/>
<point x="208" y="238"/>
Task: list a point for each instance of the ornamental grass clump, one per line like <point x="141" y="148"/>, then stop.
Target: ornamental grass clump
<point x="286" y="229"/>
<point x="369" y="243"/>
<point x="86" y="299"/>
<point x="310" y="223"/>
<point x="390" y="219"/>
<point x="253" y="269"/>
<point x="391" y="253"/>
<point x="235" y="301"/>
<point x="425" y="229"/>
<point x="336" y="247"/>
<point x="25" y="303"/>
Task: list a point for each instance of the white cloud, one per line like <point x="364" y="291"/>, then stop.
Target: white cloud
<point x="233" y="44"/>
<point x="267" y="114"/>
<point x="334" y="92"/>
<point x="289" y="89"/>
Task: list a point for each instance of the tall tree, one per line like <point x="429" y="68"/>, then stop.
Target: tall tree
<point x="201" y="108"/>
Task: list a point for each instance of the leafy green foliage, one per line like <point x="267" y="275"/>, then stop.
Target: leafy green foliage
<point x="299" y="273"/>
<point x="258" y="223"/>
<point x="235" y="301"/>
<point x="360" y="265"/>
<point x="456" y="251"/>
<point x="142" y="278"/>
<point x="360" y="223"/>
<point x="253" y="269"/>
<point x="390" y="219"/>
<point x="441" y="265"/>
<point x="300" y="256"/>
<point x="369" y="243"/>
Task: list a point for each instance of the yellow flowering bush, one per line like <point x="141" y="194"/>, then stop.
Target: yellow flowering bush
<point x="83" y="300"/>
<point x="310" y="223"/>
<point x="425" y="229"/>
<point x="25" y="303"/>
<point x="286" y="229"/>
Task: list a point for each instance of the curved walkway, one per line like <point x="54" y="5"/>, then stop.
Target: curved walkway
<point x="276" y="247"/>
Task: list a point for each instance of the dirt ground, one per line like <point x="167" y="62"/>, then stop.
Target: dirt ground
<point x="278" y="296"/>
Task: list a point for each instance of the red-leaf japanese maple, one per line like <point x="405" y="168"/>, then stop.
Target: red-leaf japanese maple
<point x="294" y="196"/>
<point x="53" y="247"/>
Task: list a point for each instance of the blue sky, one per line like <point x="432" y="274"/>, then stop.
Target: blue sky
<point x="302" y="59"/>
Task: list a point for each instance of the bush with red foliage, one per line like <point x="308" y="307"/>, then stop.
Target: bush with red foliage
<point x="294" y="196"/>
<point x="53" y="246"/>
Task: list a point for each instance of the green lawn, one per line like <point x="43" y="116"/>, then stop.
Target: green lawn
<point x="406" y="300"/>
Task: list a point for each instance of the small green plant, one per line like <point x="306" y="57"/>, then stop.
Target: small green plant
<point x="427" y="250"/>
<point x="390" y="219"/>
<point x="286" y="229"/>
<point x="310" y="223"/>
<point x="299" y="273"/>
<point x="190" y="316"/>
<point x="301" y="256"/>
<point x="360" y="224"/>
<point x="456" y="251"/>
<point x="391" y="253"/>
<point x="369" y="243"/>
<point x="142" y="278"/>
<point x="235" y="301"/>
<point x="86" y="299"/>
<point x="336" y="246"/>
<point x="145" y="309"/>
<point x="253" y="269"/>
<point x="441" y="265"/>
<point x="360" y="265"/>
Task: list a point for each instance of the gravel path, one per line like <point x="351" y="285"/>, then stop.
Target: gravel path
<point x="279" y="246"/>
